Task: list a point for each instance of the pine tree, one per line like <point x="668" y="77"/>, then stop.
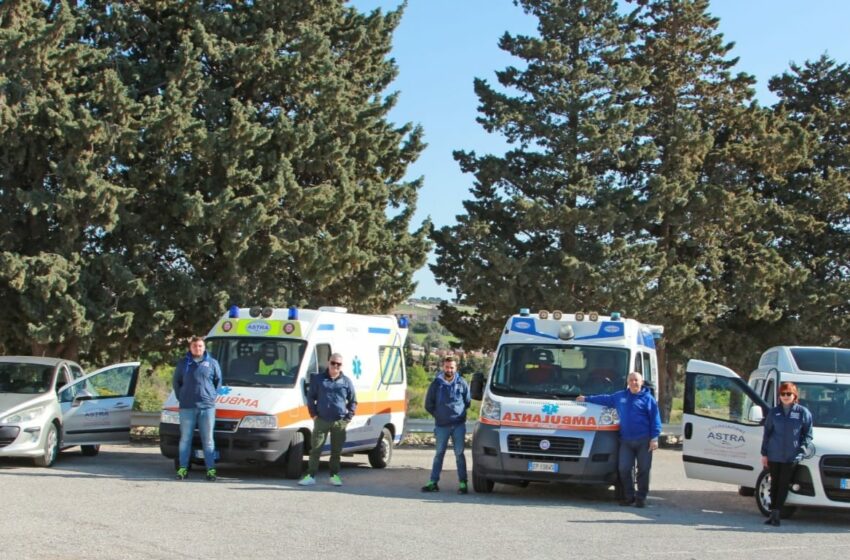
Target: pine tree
<point x="541" y="230"/>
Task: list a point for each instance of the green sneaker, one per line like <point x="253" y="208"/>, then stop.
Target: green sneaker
<point x="211" y="475"/>
<point x="182" y="473"/>
<point x="431" y="487"/>
<point x="463" y="488"/>
<point x="336" y="480"/>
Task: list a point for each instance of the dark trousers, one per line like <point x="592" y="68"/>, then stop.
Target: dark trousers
<point x="321" y="429"/>
<point x="780" y="481"/>
<point x="630" y="452"/>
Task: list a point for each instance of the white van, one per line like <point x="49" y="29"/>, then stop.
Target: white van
<point x="724" y="419"/>
<point x="531" y="429"/>
<point x="261" y="409"/>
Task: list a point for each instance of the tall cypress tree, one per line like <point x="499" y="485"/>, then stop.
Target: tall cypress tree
<point x="542" y="228"/>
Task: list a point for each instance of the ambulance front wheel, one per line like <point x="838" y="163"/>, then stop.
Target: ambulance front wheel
<point x="380" y="456"/>
<point x="481" y="484"/>
<point x="294" y="465"/>
<point x="763" y="497"/>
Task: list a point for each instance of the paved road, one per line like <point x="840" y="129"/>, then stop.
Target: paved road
<point x="124" y="504"/>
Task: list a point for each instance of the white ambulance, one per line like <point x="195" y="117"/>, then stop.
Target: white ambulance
<point x="724" y="424"/>
<point x="531" y="429"/>
<point x="267" y="357"/>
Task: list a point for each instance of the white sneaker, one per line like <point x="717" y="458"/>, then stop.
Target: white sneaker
<point x="307" y="481"/>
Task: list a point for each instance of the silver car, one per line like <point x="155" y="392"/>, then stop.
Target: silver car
<point x="49" y="404"/>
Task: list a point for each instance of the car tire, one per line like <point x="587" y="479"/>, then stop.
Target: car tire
<point x="382" y="454"/>
<point x="762" y="494"/>
<point x="51" y="447"/>
<point x="746" y="491"/>
<point x="481" y="484"/>
<point x="293" y="466"/>
<point x="89" y="450"/>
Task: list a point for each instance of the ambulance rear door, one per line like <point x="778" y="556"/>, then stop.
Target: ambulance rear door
<point x="722" y="425"/>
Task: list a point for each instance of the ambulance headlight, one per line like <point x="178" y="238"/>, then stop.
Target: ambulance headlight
<point x="609" y="417"/>
<point x="265" y="422"/>
<point x="23" y="416"/>
<point x="169" y="417"/>
<point x="490" y="409"/>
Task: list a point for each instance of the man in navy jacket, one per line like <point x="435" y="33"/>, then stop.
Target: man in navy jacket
<point x="640" y="426"/>
<point x="447" y="401"/>
<point x="196" y="381"/>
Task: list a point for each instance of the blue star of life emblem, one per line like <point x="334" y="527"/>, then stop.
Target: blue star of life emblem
<point x="357" y="370"/>
<point x="550" y="408"/>
<point x="224" y="390"/>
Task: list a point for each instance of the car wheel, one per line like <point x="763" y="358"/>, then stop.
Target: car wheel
<point x="90" y="450"/>
<point x="294" y="465"/>
<point x="762" y="493"/>
<point x="51" y="447"/>
<point x="746" y="491"/>
<point x="380" y="456"/>
<point x="481" y="484"/>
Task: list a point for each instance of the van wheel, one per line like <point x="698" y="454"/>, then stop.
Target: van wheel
<point x="481" y="484"/>
<point x="762" y="493"/>
<point x="89" y="450"/>
<point x="382" y="453"/>
<point x="51" y="447"/>
<point x="294" y="466"/>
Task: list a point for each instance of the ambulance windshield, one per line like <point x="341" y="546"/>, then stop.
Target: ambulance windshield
<point x="558" y="371"/>
<point x="258" y="362"/>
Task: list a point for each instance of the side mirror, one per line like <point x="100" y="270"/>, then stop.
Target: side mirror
<point x="756" y="414"/>
<point x="476" y="386"/>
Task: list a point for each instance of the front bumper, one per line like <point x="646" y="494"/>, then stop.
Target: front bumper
<point x="239" y="446"/>
<point x="505" y="455"/>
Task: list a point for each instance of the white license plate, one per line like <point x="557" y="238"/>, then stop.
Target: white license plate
<point x="542" y="467"/>
<point x="845" y="483"/>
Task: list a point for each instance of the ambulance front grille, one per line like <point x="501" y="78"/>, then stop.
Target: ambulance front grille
<point x="226" y="425"/>
<point x="833" y="470"/>
<point x="523" y="444"/>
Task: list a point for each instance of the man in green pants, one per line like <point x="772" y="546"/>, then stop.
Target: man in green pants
<point x="331" y="402"/>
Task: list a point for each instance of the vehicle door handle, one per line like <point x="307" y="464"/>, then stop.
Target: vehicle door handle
<point x="120" y="405"/>
<point x="689" y="430"/>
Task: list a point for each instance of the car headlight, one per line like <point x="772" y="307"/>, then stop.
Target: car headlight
<point x="609" y="417"/>
<point x="490" y="409"/>
<point x="267" y="422"/>
<point x="169" y="417"/>
<point x="25" y="415"/>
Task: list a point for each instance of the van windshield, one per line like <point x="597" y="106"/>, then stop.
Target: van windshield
<point x="258" y="362"/>
<point x="829" y="403"/>
<point x="826" y="360"/>
<point x="559" y="371"/>
<point x="23" y="378"/>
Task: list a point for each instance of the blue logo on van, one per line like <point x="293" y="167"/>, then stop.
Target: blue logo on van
<point x="258" y="327"/>
<point x="550" y="408"/>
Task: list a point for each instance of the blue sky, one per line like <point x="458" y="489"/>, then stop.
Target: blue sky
<point x="442" y="45"/>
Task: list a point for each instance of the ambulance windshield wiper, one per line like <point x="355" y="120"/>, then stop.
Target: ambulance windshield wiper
<point x="245" y="383"/>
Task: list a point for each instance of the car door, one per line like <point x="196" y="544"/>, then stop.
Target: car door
<point x="96" y="408"/>
<point x="722" y="425"/>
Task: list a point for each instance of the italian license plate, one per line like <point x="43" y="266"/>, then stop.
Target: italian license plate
<point x="845" y="483"/>
<point x="542" y="467"/>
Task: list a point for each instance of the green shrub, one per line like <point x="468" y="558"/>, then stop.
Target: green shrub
<point x="152" y="388"/>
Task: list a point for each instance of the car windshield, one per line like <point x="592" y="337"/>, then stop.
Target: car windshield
<point x="258" y="362"/>
<point x="826" y="360"/>
<point x="829" y="403"/>
<point x="24" y="378"/>
<point x="559" y="371"/>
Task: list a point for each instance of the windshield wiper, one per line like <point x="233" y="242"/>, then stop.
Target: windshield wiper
<point x="245" y="383"/>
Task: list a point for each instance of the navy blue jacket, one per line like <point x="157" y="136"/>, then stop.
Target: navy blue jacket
<point x="331" y="399"/>
<point x="786" y="436"/>
<point x="447" y="401"/>
<point x="196" y="384"/>
<point x="639" y="417"/>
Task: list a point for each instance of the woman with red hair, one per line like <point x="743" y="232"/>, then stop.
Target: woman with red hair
<point x="787" y="434"/>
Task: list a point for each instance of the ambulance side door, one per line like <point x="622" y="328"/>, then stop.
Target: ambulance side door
<point x="722" y="426"/>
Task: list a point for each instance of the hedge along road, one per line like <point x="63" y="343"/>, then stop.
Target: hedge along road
<point x="124" y="503"/>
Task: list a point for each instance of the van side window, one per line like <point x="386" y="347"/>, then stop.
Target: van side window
<point x="647" y="368"/>
<point x="770" y="393"/>
<point x="638" y="362"/>
<point x="758" y="386"/>
<point x="319" y="358"/>
<point x="392" y="365"/>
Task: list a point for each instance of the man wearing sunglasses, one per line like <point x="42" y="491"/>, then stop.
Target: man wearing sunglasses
<point x="331" y="402"/>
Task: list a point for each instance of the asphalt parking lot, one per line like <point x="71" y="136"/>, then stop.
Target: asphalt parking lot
<point x="124" y="503"/>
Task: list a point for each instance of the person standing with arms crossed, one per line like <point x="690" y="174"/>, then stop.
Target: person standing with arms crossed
<point x="640" y="426"/>
<point x="787" y="435"/>
<point x="447" y="400"/>
<point x="196" y="381"/>
<point x="332" y="403"/>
